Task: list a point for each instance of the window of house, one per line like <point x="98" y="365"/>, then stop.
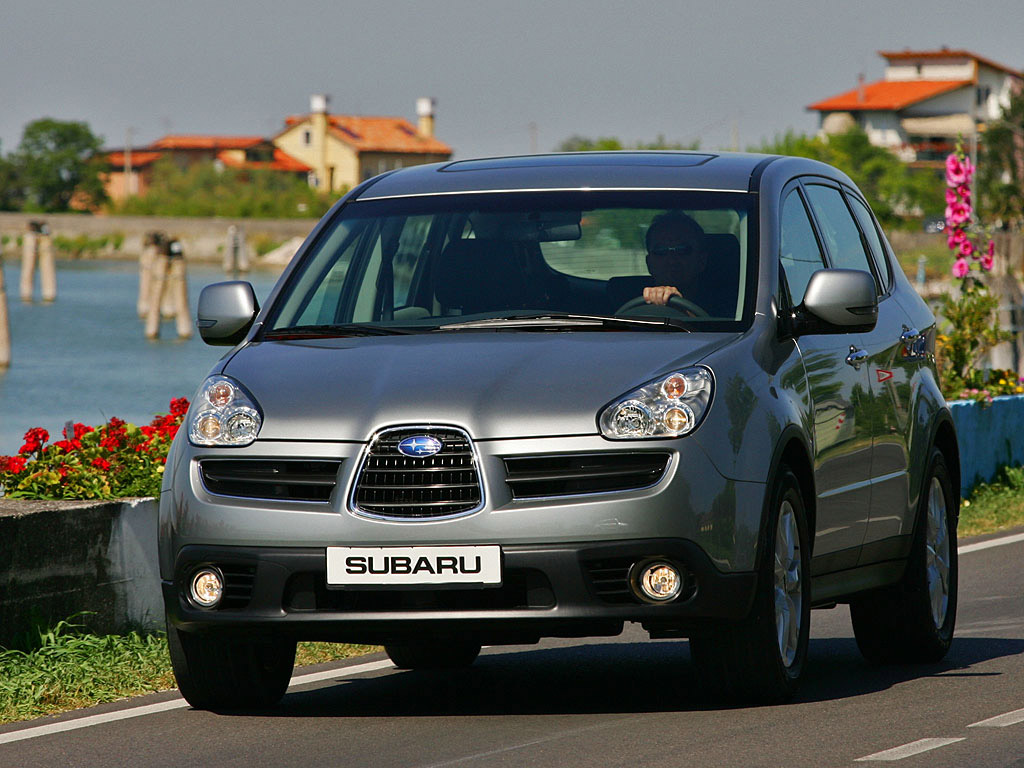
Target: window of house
<point x="307" y="138"/>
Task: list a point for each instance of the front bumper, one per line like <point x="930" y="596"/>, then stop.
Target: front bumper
<point x="569" y="590"/>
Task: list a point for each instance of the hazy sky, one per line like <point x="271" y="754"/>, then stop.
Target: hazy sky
<point x="627" y="69"/>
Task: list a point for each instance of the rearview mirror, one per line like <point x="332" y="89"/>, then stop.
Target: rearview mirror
<point x="841" y="300"/>
<point x="226" y="312"/>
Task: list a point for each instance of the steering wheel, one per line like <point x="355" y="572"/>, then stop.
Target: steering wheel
<point x="678" y="303"/>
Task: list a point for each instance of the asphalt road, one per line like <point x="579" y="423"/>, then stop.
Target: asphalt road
<point x="627" y="701"/>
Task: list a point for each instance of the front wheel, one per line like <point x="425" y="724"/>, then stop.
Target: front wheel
<point x="760" y="660"/>
<point x="913" y="621"/>
<point x="228" y="673"/>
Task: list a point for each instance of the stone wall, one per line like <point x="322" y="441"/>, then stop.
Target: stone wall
<point x="58" y="558"/>
<point x="203" y="239"/>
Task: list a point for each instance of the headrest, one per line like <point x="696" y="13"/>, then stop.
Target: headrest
<point x="478" y="276"/>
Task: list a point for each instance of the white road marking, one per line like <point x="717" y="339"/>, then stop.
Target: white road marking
<point x="990" y="543"/>
<point x="908" y="750"/>
<point x="1001" y="721"/>
<point x="176" y="703"/>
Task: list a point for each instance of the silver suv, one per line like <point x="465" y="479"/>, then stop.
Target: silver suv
<point x="491" y="401"/>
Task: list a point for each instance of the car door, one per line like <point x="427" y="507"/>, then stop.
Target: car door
<point x="837" y="384"/>
<point x="849" y="247"/>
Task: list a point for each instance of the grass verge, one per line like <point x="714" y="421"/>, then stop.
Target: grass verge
<point x="69" y="670"/>
<point x="994" y="506"/>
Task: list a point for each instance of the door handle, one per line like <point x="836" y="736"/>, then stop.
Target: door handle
<point x="856" y="357"/>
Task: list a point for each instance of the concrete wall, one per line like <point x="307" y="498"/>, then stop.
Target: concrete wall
<point x="989" y="438"/>
<point x="202" y="238"/>
<point x="61" y="557"/>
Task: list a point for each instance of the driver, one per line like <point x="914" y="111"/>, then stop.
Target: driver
<point x="676" y="257"/>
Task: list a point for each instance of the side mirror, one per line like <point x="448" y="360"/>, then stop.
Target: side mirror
<point x="838" y="301"/>
<point x="226" y="312"/>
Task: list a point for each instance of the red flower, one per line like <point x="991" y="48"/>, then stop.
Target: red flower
<point x="101" y="464"/>
<point x="34" y="440"/>
<point x="67" y="445"/>
<point x="79" y="430"/>
<point x="62" y="470"/>
<point x="13" y="464"/>
<point x="179" y="406"/>
<point x="110" y="443"/>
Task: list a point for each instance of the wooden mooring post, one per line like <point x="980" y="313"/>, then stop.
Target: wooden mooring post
<point x="150" y="247"/>
<point x="168" y="283"/>
<point x="236" y="251"/>
<point x="37" y="250"/>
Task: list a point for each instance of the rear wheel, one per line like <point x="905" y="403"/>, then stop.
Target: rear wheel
<point x="433" y="655"/>
<point x="226" y="673"/>
<point x="913" y="621"/>
<point x="760" y="660"/>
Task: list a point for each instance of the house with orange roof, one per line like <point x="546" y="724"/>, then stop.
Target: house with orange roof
<point x="344" y="150"/>
<point x="925" y="100"/>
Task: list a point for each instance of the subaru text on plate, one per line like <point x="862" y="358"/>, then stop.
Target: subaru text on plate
<point x="491" y="401"/>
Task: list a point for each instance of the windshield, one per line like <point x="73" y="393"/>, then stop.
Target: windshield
<point x="443" y="262"/>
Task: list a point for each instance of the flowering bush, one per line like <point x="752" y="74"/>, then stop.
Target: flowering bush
<point x="110" y="461"/>
<point x="973" y="327"/>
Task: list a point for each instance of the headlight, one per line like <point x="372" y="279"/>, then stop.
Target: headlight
<point x="224" y="415"/>
<point x="667" y="407"/>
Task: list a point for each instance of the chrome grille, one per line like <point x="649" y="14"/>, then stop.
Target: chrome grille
<point x="393" y="485"/>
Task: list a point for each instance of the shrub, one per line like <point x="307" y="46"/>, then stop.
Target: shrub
<point x="113" y="460"/>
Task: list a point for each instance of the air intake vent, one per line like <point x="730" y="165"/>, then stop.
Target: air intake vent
<point x="288" y="479"/>
<point x="538" y="476"/>
<point x="238" y="581"/>
<point x="395" y="485"/>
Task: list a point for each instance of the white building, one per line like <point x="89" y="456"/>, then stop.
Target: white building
<point x="925" y="101"/>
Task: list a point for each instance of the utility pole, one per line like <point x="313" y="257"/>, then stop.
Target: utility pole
<point x="532" y="127"/>
<point x="129" y="182"/>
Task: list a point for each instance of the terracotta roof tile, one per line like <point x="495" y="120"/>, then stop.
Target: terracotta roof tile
<point x="206" y="142"/>
<point x="888" y="95"/>
<point x="379" y="134"/>
<point x="282" y="162"/>
<point x="948" y="54"/>
<point x="139" y="159"/>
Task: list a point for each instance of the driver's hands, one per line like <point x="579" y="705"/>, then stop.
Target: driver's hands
<point x="660" y="294"/>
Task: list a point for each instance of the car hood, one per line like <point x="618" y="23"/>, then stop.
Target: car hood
<point x="492" y="384"/>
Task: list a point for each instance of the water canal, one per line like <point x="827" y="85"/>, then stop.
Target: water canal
<point x="85" y="358"/>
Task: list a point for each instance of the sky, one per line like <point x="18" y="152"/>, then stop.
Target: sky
<point x="509" y="77"/>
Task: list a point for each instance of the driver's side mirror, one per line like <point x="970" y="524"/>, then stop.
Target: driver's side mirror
<point x="226" y="312"/>
<point x="837" y="301"/>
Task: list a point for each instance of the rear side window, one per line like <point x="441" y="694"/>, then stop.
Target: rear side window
<point x="867" y="225"/>
<point x="839" y="230"/>
<point x="799" y="252"/>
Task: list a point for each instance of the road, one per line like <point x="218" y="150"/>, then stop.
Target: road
<point x="626" y="701"/>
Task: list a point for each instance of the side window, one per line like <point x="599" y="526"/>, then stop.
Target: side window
<point x="839" y="230"/>
<point x="799" y="252"/>
<point x="867" y="226"/>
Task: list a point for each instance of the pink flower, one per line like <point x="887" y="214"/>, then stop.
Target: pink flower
<point x="991" y="250"/>
<point x="960" y="268"/>
<point x="957" y="214"/>
<point x="965" y="192"/>
<point x="966" y="248"/>
<point x="950" y="196"/>
<point x="956" y="236"/>
<point x="986" y="263"/>
<point x="956" y="173"/>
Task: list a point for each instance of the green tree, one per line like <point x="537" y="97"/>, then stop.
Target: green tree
<point x="11" y="194"/>
<point x="894" y="190"/>
<point x="577" y="143"/>
<point x="206" y="189"/>
<point x="57" y="160"/>
<point x="1001" y="166"/>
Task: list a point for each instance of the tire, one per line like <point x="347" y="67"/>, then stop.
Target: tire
<point x="760" y="660"/>
<point x="433" y="655"/>
<point x="230" y="674"/>
<point x="912" y="622"/>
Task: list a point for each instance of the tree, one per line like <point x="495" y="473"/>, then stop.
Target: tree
<point x="11" y="193"/>
<point x="58" y="160"/>
<point x="1001" y="166"/>
<point x="577" y="143"/>
<point x="894" y="190"/>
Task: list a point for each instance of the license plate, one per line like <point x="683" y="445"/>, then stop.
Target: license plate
<point x="377" y="566"/>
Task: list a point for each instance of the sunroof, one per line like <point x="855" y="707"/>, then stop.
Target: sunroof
<point x="581" y="159"/>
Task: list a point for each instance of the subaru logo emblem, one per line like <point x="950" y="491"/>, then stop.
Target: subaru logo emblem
<point x="419" y="446"/>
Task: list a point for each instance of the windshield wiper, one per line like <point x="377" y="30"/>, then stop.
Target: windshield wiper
<point x="334" y="331"/>
<point x="562" y="319"/>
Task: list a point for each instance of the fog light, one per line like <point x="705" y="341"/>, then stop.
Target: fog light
<point x="207" y="587"/>
<point x="658" y="582"/>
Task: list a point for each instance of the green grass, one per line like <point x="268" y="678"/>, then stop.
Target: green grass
<point x="938" y="262"/>
<point x="69" y="670"/>
<point x="994" y="506"/>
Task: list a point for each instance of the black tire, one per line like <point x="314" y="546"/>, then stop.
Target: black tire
<point x="230" y="674"/>
<point x="433" y="655"/>
<point x="897" y="624"/>
<point x="745" y="663"/>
